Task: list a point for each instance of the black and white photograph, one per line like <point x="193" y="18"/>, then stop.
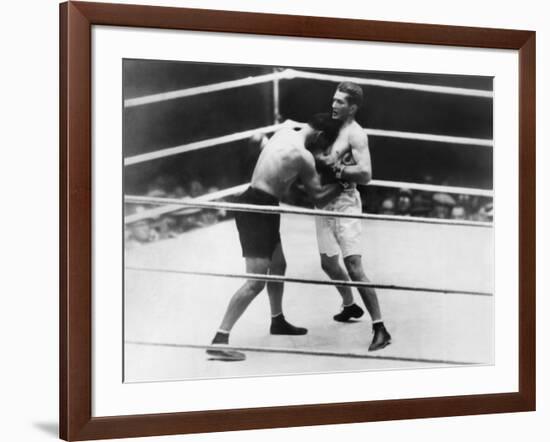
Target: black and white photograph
<point x="289" y="220"/>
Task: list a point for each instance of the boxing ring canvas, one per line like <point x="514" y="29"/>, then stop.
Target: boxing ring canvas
<point x="444" y="229"/>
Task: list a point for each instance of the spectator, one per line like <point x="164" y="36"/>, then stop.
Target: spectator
<point x="464" y="201"/>
<point x="190" y="219"/>
<point x="166" y="226"/>
<point x="475" y="204"/>
<point x="196" y="189"/>
<point x="140" y="232"/>
<point x="458" y="212"/>
<point x="387" y="207"/>
<point x="208" y="218"/>
<point x="179" y="192"/>
<point x="158" y="187"/>
<point x="421" y="204"/>
<point x="404" y="202"/>
<point x="212" y="189"/>
<point x="485" y="212"/>
<point x="442" y="205"/>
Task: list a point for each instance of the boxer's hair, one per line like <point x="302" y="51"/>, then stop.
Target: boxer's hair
<point x="325" y="131"/>
<point x="353" y="91"/>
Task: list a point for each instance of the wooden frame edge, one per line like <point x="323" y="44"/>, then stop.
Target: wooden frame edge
<point x="527" y="224"/>
<point x="63" y="371"/>
<point x="75" y="222"/>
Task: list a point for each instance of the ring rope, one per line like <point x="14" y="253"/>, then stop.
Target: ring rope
<point x="394" y="84"/>
<point x="430" y="137"/>
<point x="276" y="278"/>
<point x="196" y="145"/>
<point x="296" y="351"/>
<point x="334" y="282"/>
<point x="158" y="211"/>
<point x="199" y="90"/>
<point x="297" y="211"/>
<point x="432" y="188"/>
<point x="289" y="74"/>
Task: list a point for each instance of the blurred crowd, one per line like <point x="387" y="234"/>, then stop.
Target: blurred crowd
<point x="152" y="227"/>
<point x="402" y="202"/>
<point x="406" y="202"/>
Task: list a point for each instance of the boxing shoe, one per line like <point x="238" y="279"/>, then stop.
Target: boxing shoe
<point x="280" y="326"/>
<point x="381" y="337"/>
<point x="348" y="312"/>
<point x="221" y="354"/>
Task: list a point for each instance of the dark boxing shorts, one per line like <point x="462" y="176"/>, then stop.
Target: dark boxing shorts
<point x="258" y="232"/>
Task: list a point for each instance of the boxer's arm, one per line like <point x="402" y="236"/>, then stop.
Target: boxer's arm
<point x="361" y="171"/>
<point x="312" y="182"/>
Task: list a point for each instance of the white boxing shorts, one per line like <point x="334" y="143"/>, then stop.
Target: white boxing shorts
<point x="340" y="235"/>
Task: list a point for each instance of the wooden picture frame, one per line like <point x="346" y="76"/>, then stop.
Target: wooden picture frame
<point x="76" y="21"/>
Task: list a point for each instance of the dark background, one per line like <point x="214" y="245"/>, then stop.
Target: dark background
<point x="156" y="126"/>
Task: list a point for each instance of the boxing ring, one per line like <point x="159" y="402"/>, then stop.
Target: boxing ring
<point x="434" y="277"/>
